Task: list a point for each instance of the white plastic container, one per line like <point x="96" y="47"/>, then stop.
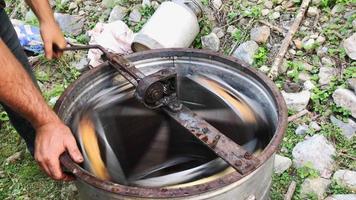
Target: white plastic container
<point x="173" y="25"/>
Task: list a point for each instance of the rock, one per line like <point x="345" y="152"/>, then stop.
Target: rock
<point x="146" y="3"/>
<point x="327" y="62"/>
<point x="347" y="129"/>
<point x="81" y="13"/>
<point x="292" y="51"/>
<point x="312" y="11"/>
<point x="349" y="14"/>
<point x="135" y="15"/>
<point x="298" y="44"/>
<point x="155" y="4"/>
<point x="350" y="46"/>
<point x="320" y="39"/>
<point x="284" y="67"/>
<point x="309" y="44"/>
<point x="346" y="178"/>
<point x="287" y="4"/>
<point x="109" y="3"/>
<point x="117" y="13"/>
<point x="268" y="4"/>
<point x="219" y="32"/>
<point x="72" y="187"/>
<point x="322" y="51"/>
<point x="53" y="100"/>
<point x="296" y="101"/>
<point x="281" y="164"/>
<point x="308" y="85"/>
<point x="313" y="36"/>
<point x="82" y="64"/>
<point x="211" y="42"/>
<point x="265" y="12"/>
<point x="73" y="6"/>
<point x="316" y="2"/>
<point x="352" y="84"/>
<point x="326" y="74"/>
<point x="217" y="4"/>
<point x="338" y="8"/>
<point x="64" y="2"/>
<point x="354" y="23"/>
<point x="246" y="51"/>
<point x="292" y="87"/>
<point x="317" y="186"/>
<point x="264" y="69"/>
<point x="231" y="29"/>
<point x="70" y="24"/>
<point x="302" y="28"/>
<point x="304" y="76"/>
<point x="306" y="66"/>
<point x="15" y="157"/>
<point x="301" y="129"/>
<point x="315" y="126"/>
<point x="342" y="197"/>
<point x="275" y="15"/>
<point x="260" y="34"/>
<point x="345" y="98"/>
<point x="278" y="8"/>
<point x="2" y="174"/>
<point x="317" y="151"/>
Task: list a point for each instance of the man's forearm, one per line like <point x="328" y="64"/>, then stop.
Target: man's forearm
<point x="18" y="91"/>
<point x="42" y="10"/>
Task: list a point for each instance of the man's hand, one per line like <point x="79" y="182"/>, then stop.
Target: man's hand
<point x="50" y="31"/>
<point x="53" y="39"/>
<point x="53" y="139"/>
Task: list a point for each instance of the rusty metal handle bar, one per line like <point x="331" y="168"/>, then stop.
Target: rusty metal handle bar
<point x="147" y="88"/>
<point x="120" y="63"/>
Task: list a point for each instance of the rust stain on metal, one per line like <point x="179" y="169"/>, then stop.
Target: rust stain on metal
<point x="221" y="145"/>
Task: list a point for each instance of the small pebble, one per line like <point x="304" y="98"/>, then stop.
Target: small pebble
<point x="301" y="129"/>
<point x="275" y="15"/>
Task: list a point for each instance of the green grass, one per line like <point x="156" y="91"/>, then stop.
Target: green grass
<point x="23" y="179"/>
<point x="338" y="189"/>
<point x="238" y="35"/>
<point x="261" y="56"/>
<point x="321" y="97"/>
<point x="205" y="29"/>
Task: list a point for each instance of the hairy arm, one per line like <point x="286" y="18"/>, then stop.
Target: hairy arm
<point x="53" y="137"/>
<point x="18" y="92"/>
<point x="50" y="31"/>
<point x="42" y="10"/>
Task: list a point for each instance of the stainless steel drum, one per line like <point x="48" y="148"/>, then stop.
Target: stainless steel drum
<point x="159" y="159"/>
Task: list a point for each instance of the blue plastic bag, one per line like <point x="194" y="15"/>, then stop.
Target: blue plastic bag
<point x="30" y="37"/>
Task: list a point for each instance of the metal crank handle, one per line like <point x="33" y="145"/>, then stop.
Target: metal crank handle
<point x="125" y="67"/>
<point x="235" y="155"/>
<point x="75" y="47"/>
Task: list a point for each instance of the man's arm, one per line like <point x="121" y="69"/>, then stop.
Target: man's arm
<point x="50" y="31"/>
<point x="52" y="136"/>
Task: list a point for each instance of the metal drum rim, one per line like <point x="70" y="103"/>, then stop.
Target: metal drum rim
<point x="142" y="192"/>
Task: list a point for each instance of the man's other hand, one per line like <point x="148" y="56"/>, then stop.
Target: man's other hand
<point x="53" y="39"/>
<point x="53" y="139"/>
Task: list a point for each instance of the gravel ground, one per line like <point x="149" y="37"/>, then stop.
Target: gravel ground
<point x="317" y="79"/>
